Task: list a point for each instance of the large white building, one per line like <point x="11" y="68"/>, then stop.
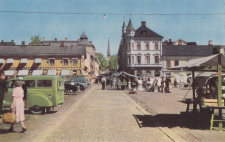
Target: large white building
<point x="140" y="50"/>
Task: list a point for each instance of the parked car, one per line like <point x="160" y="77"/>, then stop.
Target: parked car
<point x="83" y="83"/>
<point x="70" y="87"/>
<point x="43" y="92"/>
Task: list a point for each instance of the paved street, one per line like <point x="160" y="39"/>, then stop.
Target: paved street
<point x="108" y="115"/>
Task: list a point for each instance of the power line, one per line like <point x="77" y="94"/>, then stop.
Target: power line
<point x="74" y="13"/>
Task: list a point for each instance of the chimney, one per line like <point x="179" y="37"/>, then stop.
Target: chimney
<point x="210" y="43"/>
<point x="12" y="40"/>
<point x="2" y="41"/>
<point x="143" y="23"/>
<point x="180" y="42"/>
<point x="170" y="40"/>
<point x="23" y="43"/>
<point x="66" y="39"/>
<point x="55" y="39"/>
<point x="62" y="44"/>
<point x="43" y="39"/>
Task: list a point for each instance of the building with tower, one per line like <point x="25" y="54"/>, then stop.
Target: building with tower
<point x="139" y="50"/>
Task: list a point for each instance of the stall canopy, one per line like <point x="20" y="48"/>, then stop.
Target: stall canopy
<point x="51" y="72"/>
<point x="9" y="72"/>
<point x="124" y="73"/>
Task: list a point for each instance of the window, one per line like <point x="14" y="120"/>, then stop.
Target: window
<point x="129" y="46"/>
<point x="65" y="61"/>
<point x="138" y="46"/>
<point x="147" y="59"/>
<point x="156" y="59"/>
<point x="44" y="83"/>
<point x="146" y="46"/>
<point x="168" y="65"/>
<point x="176" y="63"/>
<point x="132" y="60"/>
<point x="129" y="60"/>
<point x="74" y="61"/>
<point x="138" y="59"/>
<point x="132" y="46"/>
<point x="156" y="46"/>
<point x="51" y="61"/>
<point x="29" y="83"/>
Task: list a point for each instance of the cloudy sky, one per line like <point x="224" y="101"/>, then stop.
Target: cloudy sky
<point x="191" y="20"/>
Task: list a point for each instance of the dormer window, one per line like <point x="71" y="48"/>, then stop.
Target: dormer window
<point x="65" y="61"/>
<point x="144" y="33"/>
<point x="51" y="61"/>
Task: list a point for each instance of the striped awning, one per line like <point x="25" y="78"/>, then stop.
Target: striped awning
<point x="65" y="72"/>
<point x="1" y="60"/>
<point x="23" y="61"/>
<point x="51" y="72"/>
<point x="23" y="72"/>
<point x="9" y="61"/>
<point x="37" y="60"/>
<point x="9" y="72"/>
<point x="37" y="72"/>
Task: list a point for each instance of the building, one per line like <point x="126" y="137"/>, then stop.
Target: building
<point x="178" y="52"/>
<point x="22" y="60"/>
<point x="140" y="50"/>
<point x="91" y="69"/>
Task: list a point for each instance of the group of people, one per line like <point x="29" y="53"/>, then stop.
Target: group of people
<point x="18" y="100"/>
<point x="165" y="85"/>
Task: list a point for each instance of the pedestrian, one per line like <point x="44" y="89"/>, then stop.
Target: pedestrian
<point x="129" y="85"/>
<point x="139" y="86"/>
<point x="162" y="85"/>
<point x="18" y="106"/>
<point x="119" y="83"/>
<point x="167" y="82"/>
<point x="103" y="81"/>
<point x="3" y="89"/>
<point x="114" y="83"/>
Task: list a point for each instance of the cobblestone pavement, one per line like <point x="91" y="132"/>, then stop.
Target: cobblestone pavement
<point x="108" y="115"/>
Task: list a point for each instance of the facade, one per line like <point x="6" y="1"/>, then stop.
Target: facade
<point x="140" y="50"/>
<point x="91" y="69"/>
<point x="22" y="60"/>
<point x="179" y="52"/>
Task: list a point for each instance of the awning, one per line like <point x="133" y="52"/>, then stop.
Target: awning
<point x="51" y="72"/>
<point x="23" y="72"/>
<point x="65" y="72"/>
<point x="37" y="60"/>
<point x="9" y="61"/>
<point x="9" y="72"/>
<point x="37" y="72"/>
<point x="23" y="61"/>
<point x="1" y="61"/>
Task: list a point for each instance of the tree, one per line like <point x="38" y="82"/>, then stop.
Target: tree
<point x="112" y="64"/>
<point x="100" y="59"/>
<point x="35" y="40"/>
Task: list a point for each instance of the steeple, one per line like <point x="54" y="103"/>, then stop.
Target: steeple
<point x="124" y="27"/>
<point x="108" y="50"/>
<point x="130" y="29"/>
<point x="83" y="36"/>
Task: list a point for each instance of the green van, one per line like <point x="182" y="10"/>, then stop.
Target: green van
<point x="43" y="92"/>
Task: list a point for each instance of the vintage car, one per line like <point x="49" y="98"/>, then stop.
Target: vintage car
<point x="43" y="92"/>
<point x="74" y="82"/>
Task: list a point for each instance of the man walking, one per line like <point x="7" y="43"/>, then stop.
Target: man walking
<point x="3" y="88"/>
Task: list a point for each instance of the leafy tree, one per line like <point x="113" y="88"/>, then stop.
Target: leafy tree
<point x="100" y="59"/>
<point x="35" y="40"/>
<point x="112" y="64"/>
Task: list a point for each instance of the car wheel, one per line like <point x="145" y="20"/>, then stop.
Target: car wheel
<point x="82" y="88"/>
<point x="35" y="110"/>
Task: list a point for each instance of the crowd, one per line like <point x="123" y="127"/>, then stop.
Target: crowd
<point x="134" y="84"/>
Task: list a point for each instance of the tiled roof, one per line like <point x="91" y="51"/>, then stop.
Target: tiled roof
<point x="40" y="50"/>
<point x="143" y="31"/>
<point x="187" y="50"/>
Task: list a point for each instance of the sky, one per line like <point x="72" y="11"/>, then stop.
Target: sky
<point x="191" y="20"/>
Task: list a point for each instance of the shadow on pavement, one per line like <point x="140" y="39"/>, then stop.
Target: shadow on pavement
<point x="185" y="120"/>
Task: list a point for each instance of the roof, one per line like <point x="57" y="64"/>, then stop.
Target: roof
<point x="124" y="25"/>
<point x="41" y="50"/>
<point x="130" y="26"/>
<point x="83" y="36"/>
<point x="143" y="31"/>
<point x="187" y="50"/>
<point x="7" y="43"/>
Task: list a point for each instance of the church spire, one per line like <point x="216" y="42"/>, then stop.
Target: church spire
<point x="108" y="50"/>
